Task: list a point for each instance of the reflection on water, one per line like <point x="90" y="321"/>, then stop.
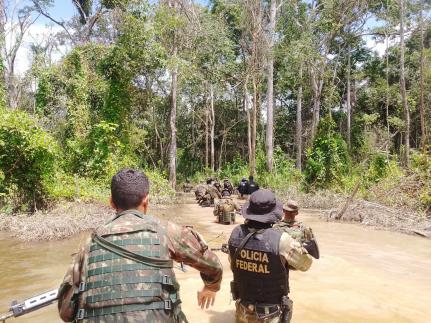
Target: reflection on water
<point x="363" y="275"/>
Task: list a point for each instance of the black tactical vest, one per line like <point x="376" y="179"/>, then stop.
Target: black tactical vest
<point x="259" y="274"/>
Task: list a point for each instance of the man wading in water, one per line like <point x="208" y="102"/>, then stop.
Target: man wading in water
<point x="124" y="274"/>
<point x="260" y="258"/>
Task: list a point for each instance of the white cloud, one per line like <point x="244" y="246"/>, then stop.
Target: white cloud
<point x="37" y="34"/>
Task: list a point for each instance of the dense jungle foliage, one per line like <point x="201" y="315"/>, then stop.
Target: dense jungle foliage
<point x="289" y="91"/>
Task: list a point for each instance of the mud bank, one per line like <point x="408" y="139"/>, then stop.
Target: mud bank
<point x="63" y="221"/>
<point x="71" y="218"/>
<point x="382" y="217"/>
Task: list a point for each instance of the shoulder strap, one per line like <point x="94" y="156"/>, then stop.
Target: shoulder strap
<point x="149" y="261"/>
<point x="240" y="247"/>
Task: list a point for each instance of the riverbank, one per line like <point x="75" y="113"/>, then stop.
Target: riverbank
<point x="373" y="214"/>
<point x="64" y="220"/>
<point x="71" y="218"/>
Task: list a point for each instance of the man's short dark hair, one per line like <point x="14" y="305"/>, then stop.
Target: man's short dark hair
<point x="128" y="188"/>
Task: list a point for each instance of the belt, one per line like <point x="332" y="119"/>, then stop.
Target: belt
<point x="261" y="309"/>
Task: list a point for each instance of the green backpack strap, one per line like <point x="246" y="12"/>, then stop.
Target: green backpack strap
<point x="116" y="249"/>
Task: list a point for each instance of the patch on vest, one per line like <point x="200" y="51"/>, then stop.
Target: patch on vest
<point x="253" y="261"/>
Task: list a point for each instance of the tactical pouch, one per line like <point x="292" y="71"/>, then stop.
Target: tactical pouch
<point x="287" y="306"/>
<point x="234" y="290"/>
<point x="69" y="290"/>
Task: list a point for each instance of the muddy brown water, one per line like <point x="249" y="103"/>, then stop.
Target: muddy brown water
<point x="363" y="275"/>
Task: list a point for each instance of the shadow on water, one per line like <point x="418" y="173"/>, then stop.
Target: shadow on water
<point x="225" y="317"/>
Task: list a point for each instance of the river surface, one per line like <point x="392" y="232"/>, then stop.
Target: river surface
<point x="363" y="275"/>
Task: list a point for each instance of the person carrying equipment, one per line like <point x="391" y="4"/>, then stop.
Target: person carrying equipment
<point x="297" y="230"/>
<point x="260" y="258"/>
<point x="243" y="187"/>
<point x="125" y="272"/>
<point x="225" y="209"/>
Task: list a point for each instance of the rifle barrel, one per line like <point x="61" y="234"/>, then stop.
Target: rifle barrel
<point x="5" y="316"/>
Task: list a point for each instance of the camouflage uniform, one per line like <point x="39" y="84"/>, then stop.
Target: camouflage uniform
<point x="200" y="192"/>
<point x="244" y="315"/>
<point x="108" y="277"/>
<point x="187" y="187"/>
<point x="297" y="230"/>
<point x="227" y="185"/>
<point x="211" y="194"/>
<point x="226" y="207"/>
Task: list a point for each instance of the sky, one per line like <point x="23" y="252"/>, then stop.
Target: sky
<point x="63" y="10"/>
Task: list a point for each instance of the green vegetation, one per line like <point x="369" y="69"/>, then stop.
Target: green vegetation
<point x="27" y="160"/>
<point x="188" y="91"/>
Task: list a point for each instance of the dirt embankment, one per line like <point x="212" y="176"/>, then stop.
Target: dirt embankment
<point x="71" y="218"/>
<point x="65" y="220"/>
<point x="400" y="218"/>
<point x="383" y="217"/>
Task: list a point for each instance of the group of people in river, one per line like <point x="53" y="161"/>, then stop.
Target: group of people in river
<point x="125" y="271"/>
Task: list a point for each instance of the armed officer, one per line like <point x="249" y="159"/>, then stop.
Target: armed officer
<point x="227" y="185"/>
<point x="260" y="257"/>
<point x="225" y="209"/>
<point x="243" y="187"/>
<point x="200" y="192"/>
<point x="252" y="185"/>
<point x="210" y="195"/>
<point x="297" y="230"/>
<point x="124" y="273"/>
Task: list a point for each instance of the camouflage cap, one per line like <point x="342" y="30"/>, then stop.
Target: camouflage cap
<point x="291" y="206"/>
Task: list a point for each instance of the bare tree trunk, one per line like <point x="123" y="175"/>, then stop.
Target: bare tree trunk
<point x="254" y="129"/>
<point x="173" y="119"/>
<point x="349" y="107"/>
<point x="2" y="43"/>
<point x="206" y="135"/>
<point x="223" y="140"/>
<point x="299" y="123"/>
<point x="270" y="88"/>
<point x="212" y="119"/>
<point x="193" y="132"/>
<point x="250" y="153"/>
<point x="403" y="89"/>
<point x="317" y="86"/>
<point x="387" y="96"/>
<point x="421" y="88"/>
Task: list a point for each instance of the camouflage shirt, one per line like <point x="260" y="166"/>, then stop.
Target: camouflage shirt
<point x="297" y="230"/>
<point x="225" y="205"/>
<point x="183" y="245"/>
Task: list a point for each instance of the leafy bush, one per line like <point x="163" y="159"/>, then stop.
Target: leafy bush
<point x="71" y="187"/>
<point x="421" y="164"/>
<point x="27" y="159"/>
<point x="328" y="159"/>
<point x="379" y="168"/>
<point x="160" y="189"/>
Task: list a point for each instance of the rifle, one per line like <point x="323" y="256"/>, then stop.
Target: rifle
<point x="224" y="248"/>
<point x="29" y="305"/>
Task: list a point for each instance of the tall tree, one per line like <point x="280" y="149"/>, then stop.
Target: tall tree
<point x="173" y="114"/>
<point x="270" y="86"/>
<point x="422" y="77"/>
<point x="18" y="19"/>
<point x="348" y="99"/>
<point x="299" y="121"/>
<point x="403" y="86"/>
